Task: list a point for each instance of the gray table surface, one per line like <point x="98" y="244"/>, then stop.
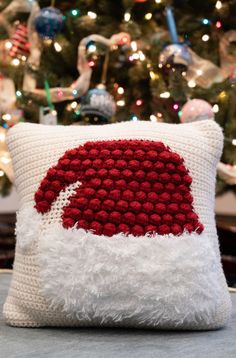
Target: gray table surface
<point x="112" y="343"/>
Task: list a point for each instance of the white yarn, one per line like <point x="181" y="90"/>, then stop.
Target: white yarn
<point x="46" y="256"/>
<point x="153" y="281"/>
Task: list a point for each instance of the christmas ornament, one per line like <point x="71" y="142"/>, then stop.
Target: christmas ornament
<point x="196" y="110"/>
<point x="98" y="105"/>
<point x="48" y="116"/>
<point x="20" y="44"/>
<point x="7" y="94"/>
<point x="48" y="22"/>
<point x="175" y="55"/>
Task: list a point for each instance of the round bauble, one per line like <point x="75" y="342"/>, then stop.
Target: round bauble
<point x="48" y="22"/>
<point x="196" y="110"/>
<point x="175" y="55"/>
<point x="98" y="106"/>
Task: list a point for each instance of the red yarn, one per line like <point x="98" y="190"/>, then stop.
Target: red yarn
<point x="130" y="186"/>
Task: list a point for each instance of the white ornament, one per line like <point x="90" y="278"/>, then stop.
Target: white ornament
<point x="196" y="110"/>
<point x="47" y="116"/>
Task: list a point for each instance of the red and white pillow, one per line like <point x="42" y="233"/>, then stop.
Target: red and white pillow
<point x="116" y="226"/>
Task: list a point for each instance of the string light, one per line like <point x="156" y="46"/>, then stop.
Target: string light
<point x="158" y="1"/>
<point x="91" y="63"/>
<point x="205" y="22"/>
<point x="134" y="46"/>
<point x="218" y="5"/>
<point x="23" y="58"/>
<point x="75" y="92"/>
<point x="6" y="117"/>
<point x="222" y="95"/>
<point x="205" y="37"/>
<point x="234" y="142"/>
<point x="92" y="48"/>
<point x="1" y="173"/>
<point x="120" y="103"/>
<point x="215" y="108"/>
<point x="134" y="118"/>
<point x="8" y="45"/>
<point x="92" y="15"/>
<point x="148" y="16"/>
<point x="15" y="62"/>
<point x="153" y="118"/>
<point x="120" y="90"/>
<point x="57" y="47"/>
<point x="199" y="72"/>
<point x="159" y="114"/>
<point x="153" y="75"/>
<point x="141" y="56"/>
<point x="218" y="24"/>
<point x="139" y="102"/>
<point x="175" y="106"/>
<point x="74" y="105"/>
<point x="165" y="95"/>
<point x="127" y="16"/>
<point x="18" y="93"/>
<point x="75" y="12"/>
<point x="191" y="83"/>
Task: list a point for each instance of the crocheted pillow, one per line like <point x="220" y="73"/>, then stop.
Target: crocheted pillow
<point x="116" y="226"/>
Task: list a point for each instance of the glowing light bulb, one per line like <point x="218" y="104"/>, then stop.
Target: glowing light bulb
<point x="120" y="90"/>
<point x="92" y="15"/>
<point x="57" y="47"/>
<point x="18" y="93"/>
<point x="23" y="58"/>
<point x="127" y="16"/>
<point x="134" y="118"/>
<point x="191" y="83"/>
<point x="1" y="173"/>
<point x="158" y="1"/>
<point x="199" y="72"/>
<point x="234" y="141"/>
<point x="8" y="45"/>
<point x="6" y="117"/>
<point x="141" y="56"/>
<point x="74" y="105"/>
<point x="148" y="16"/>
<point x="165" y="95"/>
<point x="218" y="24"/>
<point x="91" y="63"/>
<point x="215" y="108"/>
<point x="74" y="12"/>
<point x="153" y="118"/>
<point x="120" y="103"/>
<point x="92" y="48"/>
<point x="15" y="62"/>
<point x="218" y="5"/>
<point x="175" y="106"/>
<point x="205" y="21"/>
<point x="134" y="45"/>
<point x="205" y="37"/>
<point x="139" y="102"/>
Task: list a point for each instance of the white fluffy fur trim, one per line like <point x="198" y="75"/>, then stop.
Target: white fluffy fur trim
<point x="28" y="227"/>
<point x="164" y="282"/>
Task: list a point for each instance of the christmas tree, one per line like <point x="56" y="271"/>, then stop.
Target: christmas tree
<point x="167" y="54"/>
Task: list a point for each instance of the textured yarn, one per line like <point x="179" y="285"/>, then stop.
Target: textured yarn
<point x="160" y="269"/>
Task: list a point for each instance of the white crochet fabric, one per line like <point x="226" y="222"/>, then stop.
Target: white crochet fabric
<point x="74" y="277"/>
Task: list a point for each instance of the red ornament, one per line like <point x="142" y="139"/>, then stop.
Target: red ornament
<point x="20" y="44"/>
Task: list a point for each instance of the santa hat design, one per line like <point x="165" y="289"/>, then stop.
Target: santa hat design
<point x="126" y="186"/>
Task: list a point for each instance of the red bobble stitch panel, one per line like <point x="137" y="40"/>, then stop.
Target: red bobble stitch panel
<point x="129" y="186"/>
